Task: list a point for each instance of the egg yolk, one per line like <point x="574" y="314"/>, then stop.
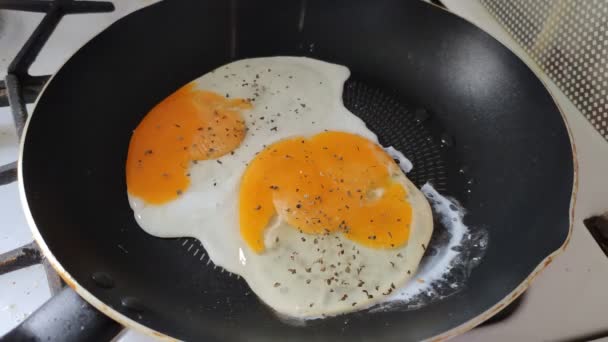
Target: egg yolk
<point x="187" y="126"/>
<point x="331" y="182"/>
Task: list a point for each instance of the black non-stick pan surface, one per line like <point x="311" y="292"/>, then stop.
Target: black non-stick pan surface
<point x="474" y="120"/>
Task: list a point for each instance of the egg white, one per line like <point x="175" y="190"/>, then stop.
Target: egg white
<point x="291" y="96"/>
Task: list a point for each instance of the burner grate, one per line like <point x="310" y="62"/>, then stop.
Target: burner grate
<point x="20" y="88"/>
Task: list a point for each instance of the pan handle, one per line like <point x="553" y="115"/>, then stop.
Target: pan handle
<point x="65" y="317"/>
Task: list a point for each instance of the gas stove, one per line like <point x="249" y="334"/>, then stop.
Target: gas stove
<point x="37" y="37"/>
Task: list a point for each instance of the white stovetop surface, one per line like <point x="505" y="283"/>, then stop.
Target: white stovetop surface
<point x="568" y="300"/>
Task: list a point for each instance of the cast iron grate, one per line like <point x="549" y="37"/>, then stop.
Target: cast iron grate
<point x="20" y="88"/>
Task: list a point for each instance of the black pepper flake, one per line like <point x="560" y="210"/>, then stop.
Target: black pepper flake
<point x="303" y="105"/>
<point x="361" y="283"/>
<point x="227" y="95"/>
<point x="377" y="287"/>
<point x="179" y="192"/>
<point x="276" y="239"/>
<point x="308" y="281"/>
<point x="219" y="162"/>
<point x="347" y="269"/>
<point x="308" y="269"/>
<point x="409" y="272"/>
<point x="423" y="247"/>
<point x="303" y="239"/>
<point x="354" y="303"/>
<point x="214" y="183"/>
<point x="258" y="207"/>
<point x="310" y="305"/>
<point x="298" y="206"/>
<point x="148" y="152"/>
<point x="388" y="292"/>
<point x="392" y="286"/>
<point x="277" y="284"/>
<point x="274" y="187"/>
<point x="344" y="297"/>
<point x="292" y="270"/>
<point x="392" y="264"/>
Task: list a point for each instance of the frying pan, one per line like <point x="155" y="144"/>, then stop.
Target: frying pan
<point x="474" y="120"/>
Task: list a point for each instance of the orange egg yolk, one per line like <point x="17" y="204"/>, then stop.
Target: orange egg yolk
<point x="331" y="182"/>
<point x="187" y="126"/>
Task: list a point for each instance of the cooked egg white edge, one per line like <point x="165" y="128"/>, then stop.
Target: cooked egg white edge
<point x="436" y="266"/>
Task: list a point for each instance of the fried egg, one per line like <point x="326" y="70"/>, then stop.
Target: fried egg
<point x="261" y="162"/>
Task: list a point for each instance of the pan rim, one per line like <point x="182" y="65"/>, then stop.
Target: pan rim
<point x="524" y="285"/>
<point x="130" y="323"/>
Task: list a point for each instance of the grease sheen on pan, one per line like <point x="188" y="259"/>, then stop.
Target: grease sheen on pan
<point x="259" y="160"/>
